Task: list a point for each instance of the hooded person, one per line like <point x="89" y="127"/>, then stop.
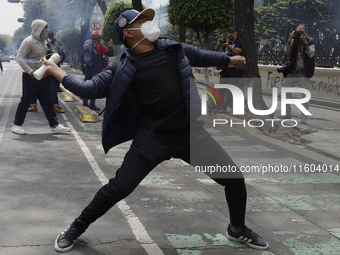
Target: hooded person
<point x="31" y="51"/>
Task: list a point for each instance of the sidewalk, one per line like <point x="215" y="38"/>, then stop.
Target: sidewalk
<point x="323" y="128"/>
<point x="75" y="72"/>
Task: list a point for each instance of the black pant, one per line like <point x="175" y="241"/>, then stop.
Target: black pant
<point x="32" y="88"/>
<point x="149" y="148"/>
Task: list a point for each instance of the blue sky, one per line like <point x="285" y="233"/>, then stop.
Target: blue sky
<point x="9" y="13"/>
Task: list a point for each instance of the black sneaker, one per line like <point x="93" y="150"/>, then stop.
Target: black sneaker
<point x="65" y="240"/>
<point x="249" y="237"/>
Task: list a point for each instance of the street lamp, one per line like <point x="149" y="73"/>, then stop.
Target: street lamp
<point x="22" y="20"/>
<point x="13" y="1"/>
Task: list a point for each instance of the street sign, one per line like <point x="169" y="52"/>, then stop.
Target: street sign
<point x="96" y="26"/>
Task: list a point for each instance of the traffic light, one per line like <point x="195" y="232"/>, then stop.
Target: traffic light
<point x="13" y="1"/>
<point x="22" y="20"/>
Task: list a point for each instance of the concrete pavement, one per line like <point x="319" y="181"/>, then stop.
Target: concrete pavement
<point x="322" y="129"/>
<point x="47" y="179"/>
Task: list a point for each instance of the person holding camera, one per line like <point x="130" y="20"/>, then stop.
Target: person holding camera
<point x="301" y="65"/>
<point x="232" y="46"/>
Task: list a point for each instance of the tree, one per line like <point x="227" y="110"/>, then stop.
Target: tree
<point x="277" y="18"/>
<point x="203" y="17"/>
<point x="102" y="6"/>
<point x="18" y="36"/>
<point x="111" y="15"/>
<point x="6" y="43"/>
<point x="70" y="37"/>
<point x="137" y="5"/>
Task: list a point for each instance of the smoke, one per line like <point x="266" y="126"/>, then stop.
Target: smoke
<point x="28" y="60"/>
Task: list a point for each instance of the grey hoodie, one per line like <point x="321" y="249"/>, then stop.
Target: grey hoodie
<point x="32" y="48"/>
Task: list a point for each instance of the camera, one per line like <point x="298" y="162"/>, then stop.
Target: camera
<point x="285" y="69"/>
<point x="222" y="41"/>
<point x="297" y="33"/>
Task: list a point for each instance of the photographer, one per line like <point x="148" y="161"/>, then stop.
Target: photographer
<point x="232" y="47"/>
<point x="301" y="65"/>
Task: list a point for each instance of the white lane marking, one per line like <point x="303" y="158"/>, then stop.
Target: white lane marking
<point x="4" y="118"/>
<point x="137" y="227"/>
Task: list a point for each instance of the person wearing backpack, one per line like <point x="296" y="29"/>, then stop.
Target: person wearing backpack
<point x="152" y="99"/>
<point x="94" y="62"/>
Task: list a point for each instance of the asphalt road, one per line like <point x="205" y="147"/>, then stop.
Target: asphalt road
<point x="46" y="180"/>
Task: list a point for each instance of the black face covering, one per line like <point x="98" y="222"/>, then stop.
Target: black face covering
<point x="44" y="35"/>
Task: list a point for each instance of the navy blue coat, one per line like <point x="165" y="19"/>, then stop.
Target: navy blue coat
<point x="121" y="116"/>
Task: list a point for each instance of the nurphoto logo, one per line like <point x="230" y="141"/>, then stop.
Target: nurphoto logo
<point x="238" y="105"/>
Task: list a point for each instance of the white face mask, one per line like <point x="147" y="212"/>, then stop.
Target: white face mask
<point x="150" y="30"/>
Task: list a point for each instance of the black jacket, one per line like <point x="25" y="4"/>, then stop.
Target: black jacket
<point x="307" y="61"/>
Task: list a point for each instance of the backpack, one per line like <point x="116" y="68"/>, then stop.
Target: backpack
<point x="91" y="56"/>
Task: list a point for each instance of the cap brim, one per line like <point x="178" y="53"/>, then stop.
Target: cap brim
<point x="148" y="13"/>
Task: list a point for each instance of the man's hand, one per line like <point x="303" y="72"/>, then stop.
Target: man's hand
<point x="54" y="70"/>
<point x="226" y="44"/>
<point x="237" y="61"/>
<point x="31" y="74"/>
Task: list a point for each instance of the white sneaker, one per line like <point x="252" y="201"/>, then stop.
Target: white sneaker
<point x="60" y="129"/>
<point x="18" y="130"/>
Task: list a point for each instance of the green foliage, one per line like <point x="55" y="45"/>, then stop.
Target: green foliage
<point x="69" y="37"/>
<point x="203" y="17"/>
<point x="108" y="31"/>
<point x="18" y="37"/>
<point x="277" y="18"/>
<point x="111" y="15"/>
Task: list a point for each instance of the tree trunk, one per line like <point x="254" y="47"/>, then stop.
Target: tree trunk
<point x="182" y="34"/>
<point x="137" y="5"/>
<point x="246" y="28"/>
<point x="86" y="25"/>
<point x="102" y="6"/>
